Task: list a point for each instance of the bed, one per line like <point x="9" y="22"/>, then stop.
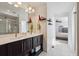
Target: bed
<point x="63" y="34"/>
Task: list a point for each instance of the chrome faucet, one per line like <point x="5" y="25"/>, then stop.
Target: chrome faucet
<point x="15" y="34"/>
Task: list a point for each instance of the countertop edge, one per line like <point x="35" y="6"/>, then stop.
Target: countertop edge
<point x="5" y="41"/>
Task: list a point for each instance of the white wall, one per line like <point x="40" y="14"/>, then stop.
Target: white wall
<point x="70" y="39"/>
<point x="71" y="31"/>
<point x="50" y="28"/>
<point x="64" y="21"/>
<point x="51" y="33"/>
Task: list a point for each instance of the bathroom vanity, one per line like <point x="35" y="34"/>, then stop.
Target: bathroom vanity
<point x="15" y="36"/>
<point x="25" y="45"/>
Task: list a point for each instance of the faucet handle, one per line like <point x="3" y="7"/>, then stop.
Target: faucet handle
<point x="15" y="34"/>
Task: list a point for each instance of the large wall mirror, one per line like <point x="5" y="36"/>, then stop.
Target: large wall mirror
<point x="9" y="25"/>
<point x="11" y="19"/>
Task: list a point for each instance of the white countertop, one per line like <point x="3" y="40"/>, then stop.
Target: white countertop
<point x="4" y="39"/>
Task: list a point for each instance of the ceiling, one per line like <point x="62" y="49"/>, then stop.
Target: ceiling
<point x="57" y="8"/>
<point x="24" y="5"/>
<point x="34" y="4"/>
<point x="60" y="8"/>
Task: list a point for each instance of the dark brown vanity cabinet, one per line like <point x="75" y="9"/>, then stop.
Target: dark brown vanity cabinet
<point x="21" y="47"/>
<point x="27" y="45"/>
<point x="3" y="50"/>
<point x="15" y="48"/>
<point x="40" y="39"/>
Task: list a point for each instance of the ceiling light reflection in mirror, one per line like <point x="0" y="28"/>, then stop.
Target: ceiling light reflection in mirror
<point x="29" y="9"/>
<point x="15" y="5"/>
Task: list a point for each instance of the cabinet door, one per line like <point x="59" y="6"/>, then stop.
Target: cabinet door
<point x="15" y="48"/>
<point x="27" y="45"/>
<point x="39" y="40"/>
<point x="3" y="50"/>
<point x="35" y="41"/>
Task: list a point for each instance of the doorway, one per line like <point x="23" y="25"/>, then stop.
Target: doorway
<point x="64" y="45"/>
<point x="61" y="33"/>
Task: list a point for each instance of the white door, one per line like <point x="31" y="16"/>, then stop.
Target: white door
<point x="51" y="34"/>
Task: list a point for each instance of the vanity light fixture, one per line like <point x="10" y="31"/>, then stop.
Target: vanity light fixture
<point x="30" y="8"/>
<point x="0" y="19"/>
<point x="33" y="10"/>
<point x="26" y="10"/>
<point x="16" y="5"/>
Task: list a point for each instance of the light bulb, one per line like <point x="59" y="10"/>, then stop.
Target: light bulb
<point x="16" y="5"/>
<point x="33" y="10"/>
<point x="30" y="8"/>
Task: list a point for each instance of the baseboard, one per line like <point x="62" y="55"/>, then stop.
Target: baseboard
<point x="37" y="53"/>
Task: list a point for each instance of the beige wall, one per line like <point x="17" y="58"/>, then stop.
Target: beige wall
<point x="75" y="28"/>
<point x="42" y="11"/>
<point x="78" y="28"/>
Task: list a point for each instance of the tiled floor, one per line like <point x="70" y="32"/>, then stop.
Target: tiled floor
<point x="43" y="54"/>
<point x="60" y="49"/>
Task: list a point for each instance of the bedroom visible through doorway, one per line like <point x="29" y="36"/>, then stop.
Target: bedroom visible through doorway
<point x="61" y="30"/>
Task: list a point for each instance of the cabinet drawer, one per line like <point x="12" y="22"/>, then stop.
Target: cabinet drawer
<point x="27" y="45"/>
<point x="15" y="48"/>
<point x="39" y="40"/>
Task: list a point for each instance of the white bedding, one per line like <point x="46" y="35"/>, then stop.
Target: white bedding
<point x="63" y="35"/>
